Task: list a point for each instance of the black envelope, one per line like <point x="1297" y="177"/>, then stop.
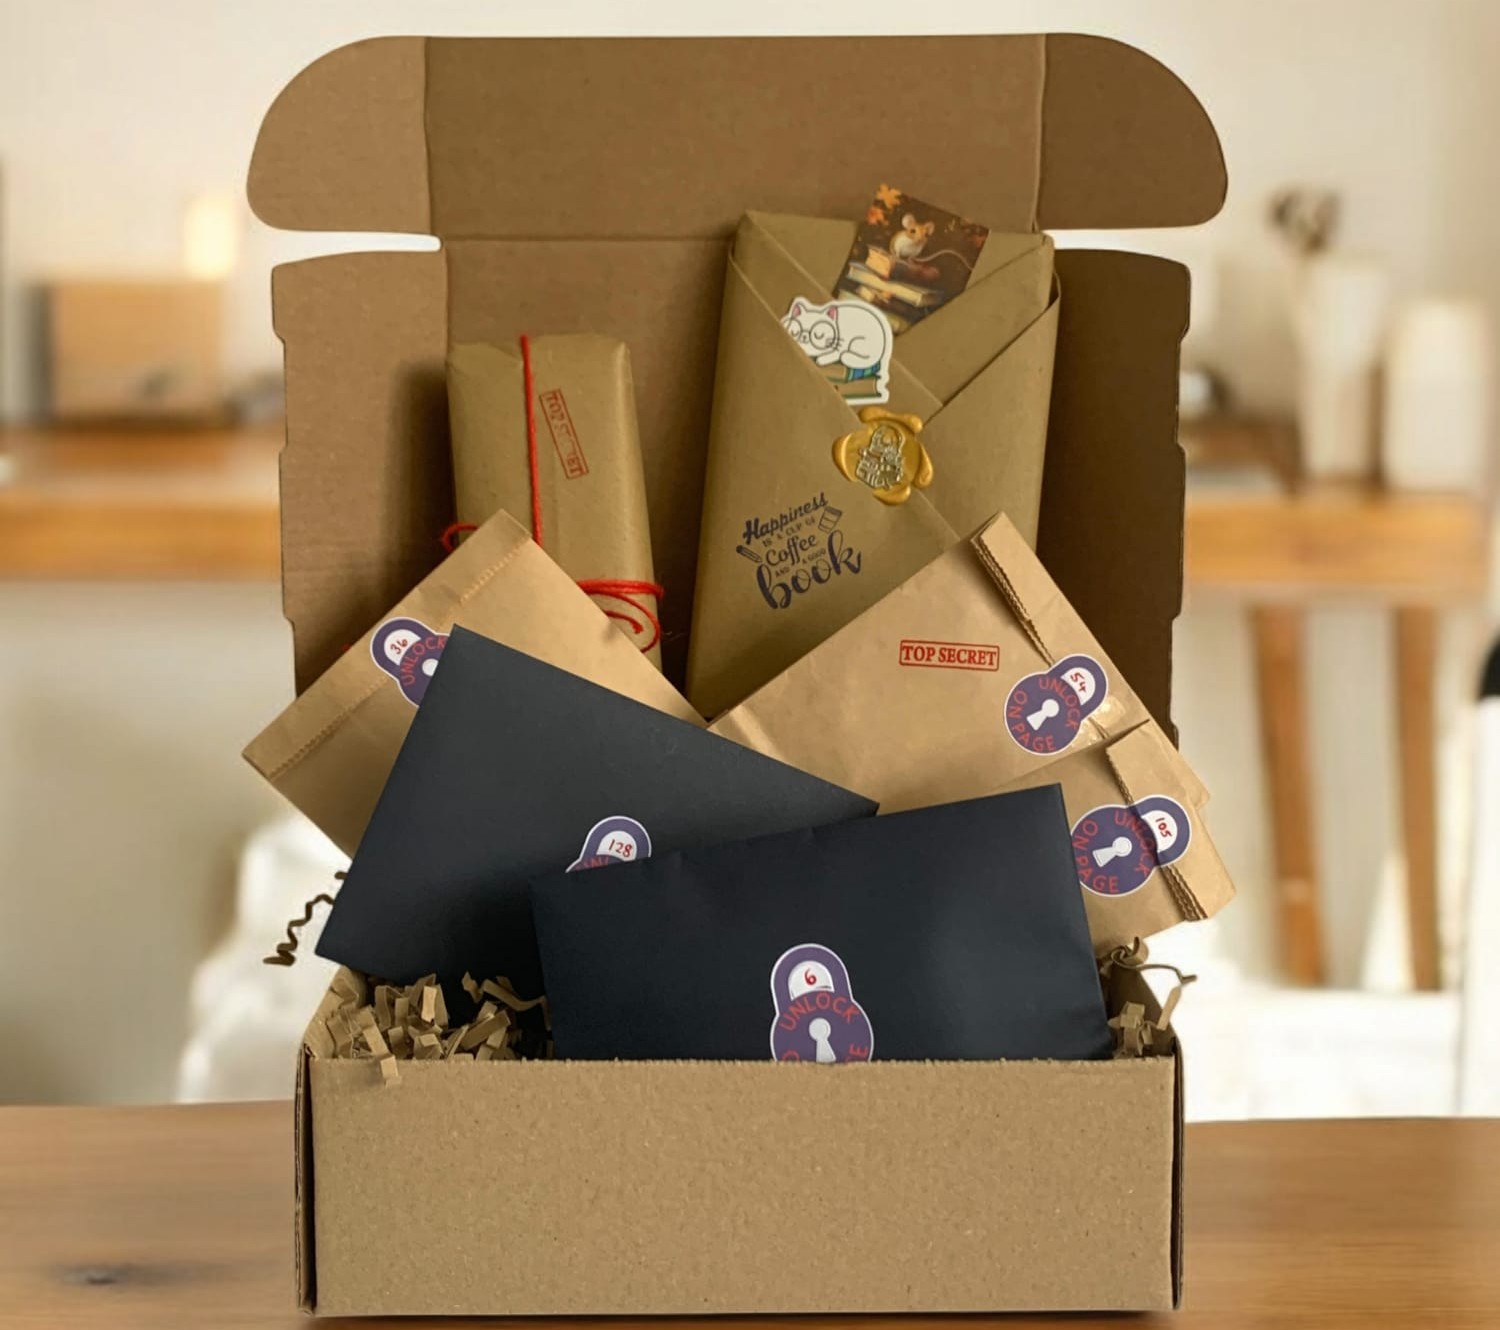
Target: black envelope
<point x="950" y="932"/>
<point x="512" y="768"/>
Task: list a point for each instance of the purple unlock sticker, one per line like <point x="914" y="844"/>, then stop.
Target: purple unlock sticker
<point x="817" y="1018"/>
<point x="409" y="651"/>
<point x="1118" y="846"/>
<point x="612" y="840"/>
<point x="1044" y="711"/>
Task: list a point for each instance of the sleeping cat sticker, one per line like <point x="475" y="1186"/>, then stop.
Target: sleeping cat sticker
<point x="849" y="340"/>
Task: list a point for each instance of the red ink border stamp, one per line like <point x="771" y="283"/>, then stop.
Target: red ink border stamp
<point x="918" y="653"/>
<point x="564" y="436"/>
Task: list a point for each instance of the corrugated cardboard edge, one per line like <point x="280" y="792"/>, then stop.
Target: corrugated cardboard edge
<point x="1178" y="1169"/>
<point x="1131" y="985"/>
<point x="315" y="1043"/>
<point x="306" y="1225"/>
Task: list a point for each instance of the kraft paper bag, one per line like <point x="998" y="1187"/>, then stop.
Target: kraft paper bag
<point x="330" y="752"/>
<point x="1143" y="855"/>
<point x="590" y="483"/>
<point x="790" y="550"/>
<point x="976" y="676"/>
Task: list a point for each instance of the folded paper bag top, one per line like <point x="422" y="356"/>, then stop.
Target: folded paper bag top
<point x="952" y="932"/>
<point x="512" y="768"/>
<point x="590" y="490"/>
<point x="791" y="547"/>
<point x="1141" y="848"/>
<point x="331" y="750"/>
<point x="976" y="676"/>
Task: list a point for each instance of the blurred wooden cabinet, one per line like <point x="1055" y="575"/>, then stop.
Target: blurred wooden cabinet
<point x="135" y="350"/>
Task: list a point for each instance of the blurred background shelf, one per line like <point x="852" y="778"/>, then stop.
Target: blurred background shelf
<point x="1338" y="540"/>
<point x="1280" y="554"/>
<point x="139" y="505"/>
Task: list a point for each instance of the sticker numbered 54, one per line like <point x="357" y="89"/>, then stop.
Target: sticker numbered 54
<point x="1044" y="712"/>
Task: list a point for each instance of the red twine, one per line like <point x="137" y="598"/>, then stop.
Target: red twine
<point x="640" y="616"/>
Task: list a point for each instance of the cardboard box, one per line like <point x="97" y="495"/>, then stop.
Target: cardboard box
<point x="574" y="195"/>
<point x="135" y="350"/>
<point x="665" y="1188"/>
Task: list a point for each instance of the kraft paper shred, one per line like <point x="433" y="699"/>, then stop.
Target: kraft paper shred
<point x="1135" y="1036"/>
<point x="411" y="1024"/>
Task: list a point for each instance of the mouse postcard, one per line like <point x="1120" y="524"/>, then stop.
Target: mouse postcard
<point x="910" y="258"/>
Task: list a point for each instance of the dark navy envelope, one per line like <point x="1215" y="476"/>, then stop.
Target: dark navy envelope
<point x="513" y="768"/>
<point x="951" y="932"/>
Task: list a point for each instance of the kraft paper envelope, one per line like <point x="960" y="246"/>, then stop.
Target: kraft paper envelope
<point x="591" y="486"/>
<point x="332" y="749"/>
<point x="789" y="549"/>
<point x="976" y="676"/>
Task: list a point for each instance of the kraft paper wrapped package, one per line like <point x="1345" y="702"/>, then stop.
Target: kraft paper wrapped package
<point x="790" y="550"/>
<point x="976" y="676"/>
<point x="945" y="933"/>
<point x="331" y="750"/>
<point x="591" y="490"/>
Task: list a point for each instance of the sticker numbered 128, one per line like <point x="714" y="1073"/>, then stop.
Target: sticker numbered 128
<point x="612" y="840"/>
<point x="1044" y="711"/>
<point x="1117" y="847"/>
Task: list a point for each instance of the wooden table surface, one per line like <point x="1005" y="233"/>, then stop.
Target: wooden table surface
<point x="182" y="1216"/>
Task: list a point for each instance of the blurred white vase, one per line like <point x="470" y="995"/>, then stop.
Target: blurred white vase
<point x="1437" y="416"/>
<point x="1340" y="319"/>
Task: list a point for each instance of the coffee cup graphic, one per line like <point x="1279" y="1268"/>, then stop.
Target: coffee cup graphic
<point x="1044" y="711"/>
<point x="409" y="651"/>
<point x="817" y="1019"/>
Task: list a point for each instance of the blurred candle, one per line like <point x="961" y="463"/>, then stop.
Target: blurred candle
<point x="211" y="236"/>
<point x="1439" y="393"/>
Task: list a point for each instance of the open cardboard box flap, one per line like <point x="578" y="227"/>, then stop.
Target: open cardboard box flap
<point x="591" y="185"/>
<point x="651" y="138"/>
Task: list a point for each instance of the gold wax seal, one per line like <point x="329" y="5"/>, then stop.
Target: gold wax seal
<point x="885" y="454"/>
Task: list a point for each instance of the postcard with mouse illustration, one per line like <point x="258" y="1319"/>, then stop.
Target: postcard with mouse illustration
<point x="909" y="258"/>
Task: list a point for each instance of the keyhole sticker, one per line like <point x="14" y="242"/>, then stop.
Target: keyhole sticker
<point x="817" y="1019"/>
<point x="612" y="840"/>
<point x="1117" y="847"/>
<point x="1044" y="711"/>
<point x="409" y="651"/>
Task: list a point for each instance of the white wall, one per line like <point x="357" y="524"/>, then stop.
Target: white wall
<point x="125" y="798"/>
<point x="123" y="803"/>
<point x="112" y="116"/>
